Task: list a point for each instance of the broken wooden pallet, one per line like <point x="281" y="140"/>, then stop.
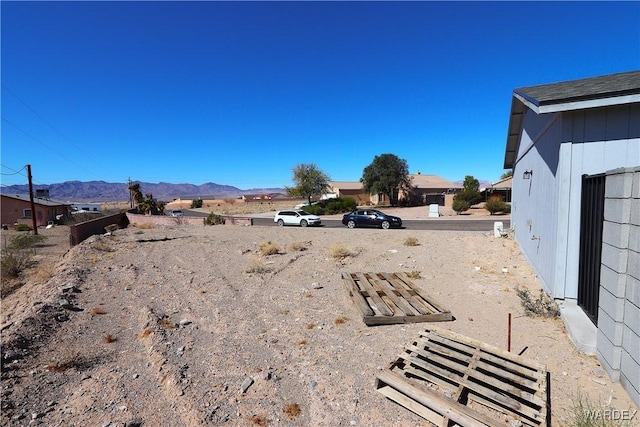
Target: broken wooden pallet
<point x="390" y="298"/>
<point x="450" y="379"/>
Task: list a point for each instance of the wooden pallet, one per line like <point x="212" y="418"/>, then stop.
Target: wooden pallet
<point x="450" y="379"/>
<point x="391" y="298"/>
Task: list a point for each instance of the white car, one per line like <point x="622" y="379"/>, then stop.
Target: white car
<point x="175" y="213"/>
<point x="296" y="217"/>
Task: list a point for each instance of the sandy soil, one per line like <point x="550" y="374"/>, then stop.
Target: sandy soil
<point x="192" y="326"/>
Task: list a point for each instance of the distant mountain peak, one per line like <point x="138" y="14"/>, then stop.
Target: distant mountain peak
<point x="101" y="191"/>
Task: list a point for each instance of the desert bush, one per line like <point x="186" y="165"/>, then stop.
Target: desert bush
<point x="411" y="241"/>
<point x="257" y="266"/>
<point x="13" y="262"/>
<point x="25" y="241"/>
<point x="299" y="246"/>
<point x="414" y="274"/>
<point x="196" y="203"/>
<point x="507" y="208"/>
<point x="340" y="251"/>
<point x="269" y="248"/>
<point x="213" y="219"/>
<point x="495" y="204"/>
<point x="542" y="306"/>
<point x="585" y="413"/>
<point x="460" y="205"/>
<point x="22" y="227"/>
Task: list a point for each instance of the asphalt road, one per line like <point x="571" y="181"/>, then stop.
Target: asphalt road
<point x="417" y="224"/>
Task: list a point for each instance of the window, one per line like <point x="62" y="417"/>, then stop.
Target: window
<point x="26" y="213"/>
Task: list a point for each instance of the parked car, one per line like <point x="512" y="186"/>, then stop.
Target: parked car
<point x="370" y="218"/>
<point x="296" y="217"/>
<point x="175" y="212"/>
<point x="302" y="205"/>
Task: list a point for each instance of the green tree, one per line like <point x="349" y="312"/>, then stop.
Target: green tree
<point x="470" y="183"/>
<point x="470" y="192"/>
<point x="388" y="175"/>
<point x="196" y="203"/>
<point x="309" y="181"/>
<point x="460" y="205"/>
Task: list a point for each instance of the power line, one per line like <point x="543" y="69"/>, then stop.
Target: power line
<point x="47" y="123"/>
<point x="15" y="172"/>
<point x="44" y="145"/>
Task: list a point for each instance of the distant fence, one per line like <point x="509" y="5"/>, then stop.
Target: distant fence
<point x="84" y="230"/>
<point x="168" y="220"/>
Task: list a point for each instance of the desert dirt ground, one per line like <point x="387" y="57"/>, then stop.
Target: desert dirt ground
<point x="193" y="326"/>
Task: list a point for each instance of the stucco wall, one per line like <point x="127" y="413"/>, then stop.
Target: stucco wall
<point x="618" y="342"/>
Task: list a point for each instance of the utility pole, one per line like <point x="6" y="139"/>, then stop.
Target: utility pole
<point x="33" y="205"/>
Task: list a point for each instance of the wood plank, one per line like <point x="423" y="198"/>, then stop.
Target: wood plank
<point x="401" y="287"/>
<point x="425" y="412"/>
<point x="356" y="296"/>
<point x="473" y="374"/>
<point x="389" y="290"/>
<point x="364" y="284"/>
<point x="386" y="298"/>
<point x="453" y="410"/>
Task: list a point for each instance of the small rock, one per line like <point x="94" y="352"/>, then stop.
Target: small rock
<point x="316" y="285"/>
<point x="64" y="303"/>
<point x="185" y="322"/>
<point x="135" y="376"/>
<point x="106" y="423"/>
<point x="265" y="375"/>
<point x="470" y="319"/>
<point x="133" y="423"/>
<point x="246" y="384"/>
<point x="36" y="415"/>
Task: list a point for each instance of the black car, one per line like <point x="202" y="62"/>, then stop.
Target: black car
<point x="370" y="218"/>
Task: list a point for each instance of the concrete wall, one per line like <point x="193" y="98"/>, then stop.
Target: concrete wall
<point x="618" y="343"/>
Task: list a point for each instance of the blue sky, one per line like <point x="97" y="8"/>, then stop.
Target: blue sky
<point x="238" y="93"/>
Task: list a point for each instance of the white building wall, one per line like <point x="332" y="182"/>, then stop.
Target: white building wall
<point x="535" y="200"/>
<point x="559" y="148"/>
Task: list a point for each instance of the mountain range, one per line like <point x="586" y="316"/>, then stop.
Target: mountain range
<point x="101" y="191"/>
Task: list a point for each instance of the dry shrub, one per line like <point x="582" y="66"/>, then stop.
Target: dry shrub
<point x="44" y="271"/>
<point x="302" y="342"/>
<point x="292" y="410"/>
<point x="340" y="320"/>
<point x="310" y="325"/>
<point x="299" y="246"/>
<point x="108" y="339"/>
<point x="414" y="274"/>
<point x="340" y="251"/>
<point x="14" y="262"/>
<point x="411" y="241"/>
<point x="269" y="248"/>
<point x="257" y="266"/>
<point x="96" y="311"/>
<point x="542" y="306"/>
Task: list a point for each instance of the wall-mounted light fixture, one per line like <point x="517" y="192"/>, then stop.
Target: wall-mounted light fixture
<point x="527" y="174"/>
